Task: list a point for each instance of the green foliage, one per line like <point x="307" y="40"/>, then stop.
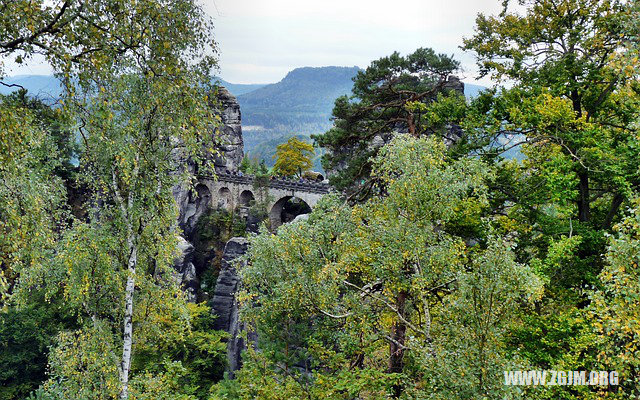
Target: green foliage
<point x="293" y="158"/>
<point x="26" y="333"/>
<point x="33" y="161"/>
<point x="616" y="306"/>
<point x="168" y="384"/>
<point x="214" y="228"/>
<point x="218" y="225"/>
<point x="378" y="107"/>
<point x="192" y="362"/>
<point x="573" y="108"/>
<point x="252" y="166"/>
<point x="453" y="266"/>
<point x="575" y="99"/>
<point x="377" y="297"/>
<point x="84" y="364"/>
<point x="136" y="82"/>
<point x="485" y="306"/>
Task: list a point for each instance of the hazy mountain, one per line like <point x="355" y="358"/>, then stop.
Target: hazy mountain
<point x="239" y="88"/>
<point x="42" y="86"/>
<point x="471" y="90"/>
<point x="49" y="86"/>
<point x="300" y="104"/>
<point x="304" y="97"/>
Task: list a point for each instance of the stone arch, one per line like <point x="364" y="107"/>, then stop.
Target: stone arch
<point x="203" y="199"/>
<point x="224" y="198"/>
<point x="287" y="208"/>
<point x="246" y="198"/>
<point x="198" y="202"/>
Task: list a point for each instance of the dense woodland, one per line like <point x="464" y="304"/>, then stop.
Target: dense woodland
<point x="436" y="265"/>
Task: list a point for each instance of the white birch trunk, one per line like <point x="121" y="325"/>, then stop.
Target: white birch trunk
<point x="127" y="335"/>
<point x="132" y="247"/>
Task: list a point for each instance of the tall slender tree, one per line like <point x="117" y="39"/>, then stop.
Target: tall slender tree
<point x="576" y="91"/>
<point x="136" y="79"/>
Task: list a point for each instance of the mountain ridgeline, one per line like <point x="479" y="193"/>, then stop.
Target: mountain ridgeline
<point x="304" y="97"/>
<point x="299" y="105"/>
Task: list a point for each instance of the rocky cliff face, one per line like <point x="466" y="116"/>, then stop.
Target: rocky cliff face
<point x="186" y="271"/>
<point x="229" y="135"/>
<point x="225" y="306"/>
<point x="193" y="204"/>
<point x="230" y="151"/>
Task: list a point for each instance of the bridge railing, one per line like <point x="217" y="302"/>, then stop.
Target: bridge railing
<point x="276" y="183"/>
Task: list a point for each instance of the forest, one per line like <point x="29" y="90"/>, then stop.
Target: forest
<point x="436" y="268"/>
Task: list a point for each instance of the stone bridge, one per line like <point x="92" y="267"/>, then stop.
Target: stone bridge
<point x="232" y="191"/>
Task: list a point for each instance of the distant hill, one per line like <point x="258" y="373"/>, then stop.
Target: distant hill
<point x="239" y="88"/>
<point x="298" y="105"/>
<point x="471" y="90"/>
<point x="305" y="96"/>
<point x="49" y="86"/>
<point x="45" y="87"/>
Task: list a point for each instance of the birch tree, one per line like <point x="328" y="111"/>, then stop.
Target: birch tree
<point x="136" y="79"/>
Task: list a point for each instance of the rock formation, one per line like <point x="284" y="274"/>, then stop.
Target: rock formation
<point x="202" y="250"/>
<point x="230" y="151"/>
<point x="224" y="304"/>
<point x="229" y="135"/>
<point x="186" y="271"/>
<point x="193" y="204"/>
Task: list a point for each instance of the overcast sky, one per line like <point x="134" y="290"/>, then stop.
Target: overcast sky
<point x="261" y="40"/>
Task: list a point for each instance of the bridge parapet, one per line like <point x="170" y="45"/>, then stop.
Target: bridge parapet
<point x="275" y="183"/>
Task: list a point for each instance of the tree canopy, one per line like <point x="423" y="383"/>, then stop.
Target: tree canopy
<point x="467" y="237"/>
<point x="293" y="157"/>
<point x="378" y="107"/>
<point x="136" y="79"/>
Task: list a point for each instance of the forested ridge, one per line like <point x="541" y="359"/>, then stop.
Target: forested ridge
<point x="435" y="266"/>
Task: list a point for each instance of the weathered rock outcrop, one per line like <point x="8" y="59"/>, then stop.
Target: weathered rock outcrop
<point x="224" y="304"/>
<point x="229" y="135"/>
<point x="454" y="83"/>
<point x="193" y="204"/>
<point x="230" y="148"/>
<point x="185" y="269"/>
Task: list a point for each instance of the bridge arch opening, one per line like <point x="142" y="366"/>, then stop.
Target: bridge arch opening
<point x="286" y="210"/>
<point x="203" y="198"/>
<point x="224" y="198"/>
<point x="247" y="198"/>
<point x="199" y="202"/>
<point x="204" y="195"/>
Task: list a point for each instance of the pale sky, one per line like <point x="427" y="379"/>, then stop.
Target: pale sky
<point x="261" y="40"/>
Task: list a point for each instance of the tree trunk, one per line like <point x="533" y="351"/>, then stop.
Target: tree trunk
<point x="613" y="210"/>
<point x="584" y="212"/>
<point x="396" y="346"/>
<point x="411" y="124"/>
<point x="576" y="100"/>
<point x="127" y="336"/>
